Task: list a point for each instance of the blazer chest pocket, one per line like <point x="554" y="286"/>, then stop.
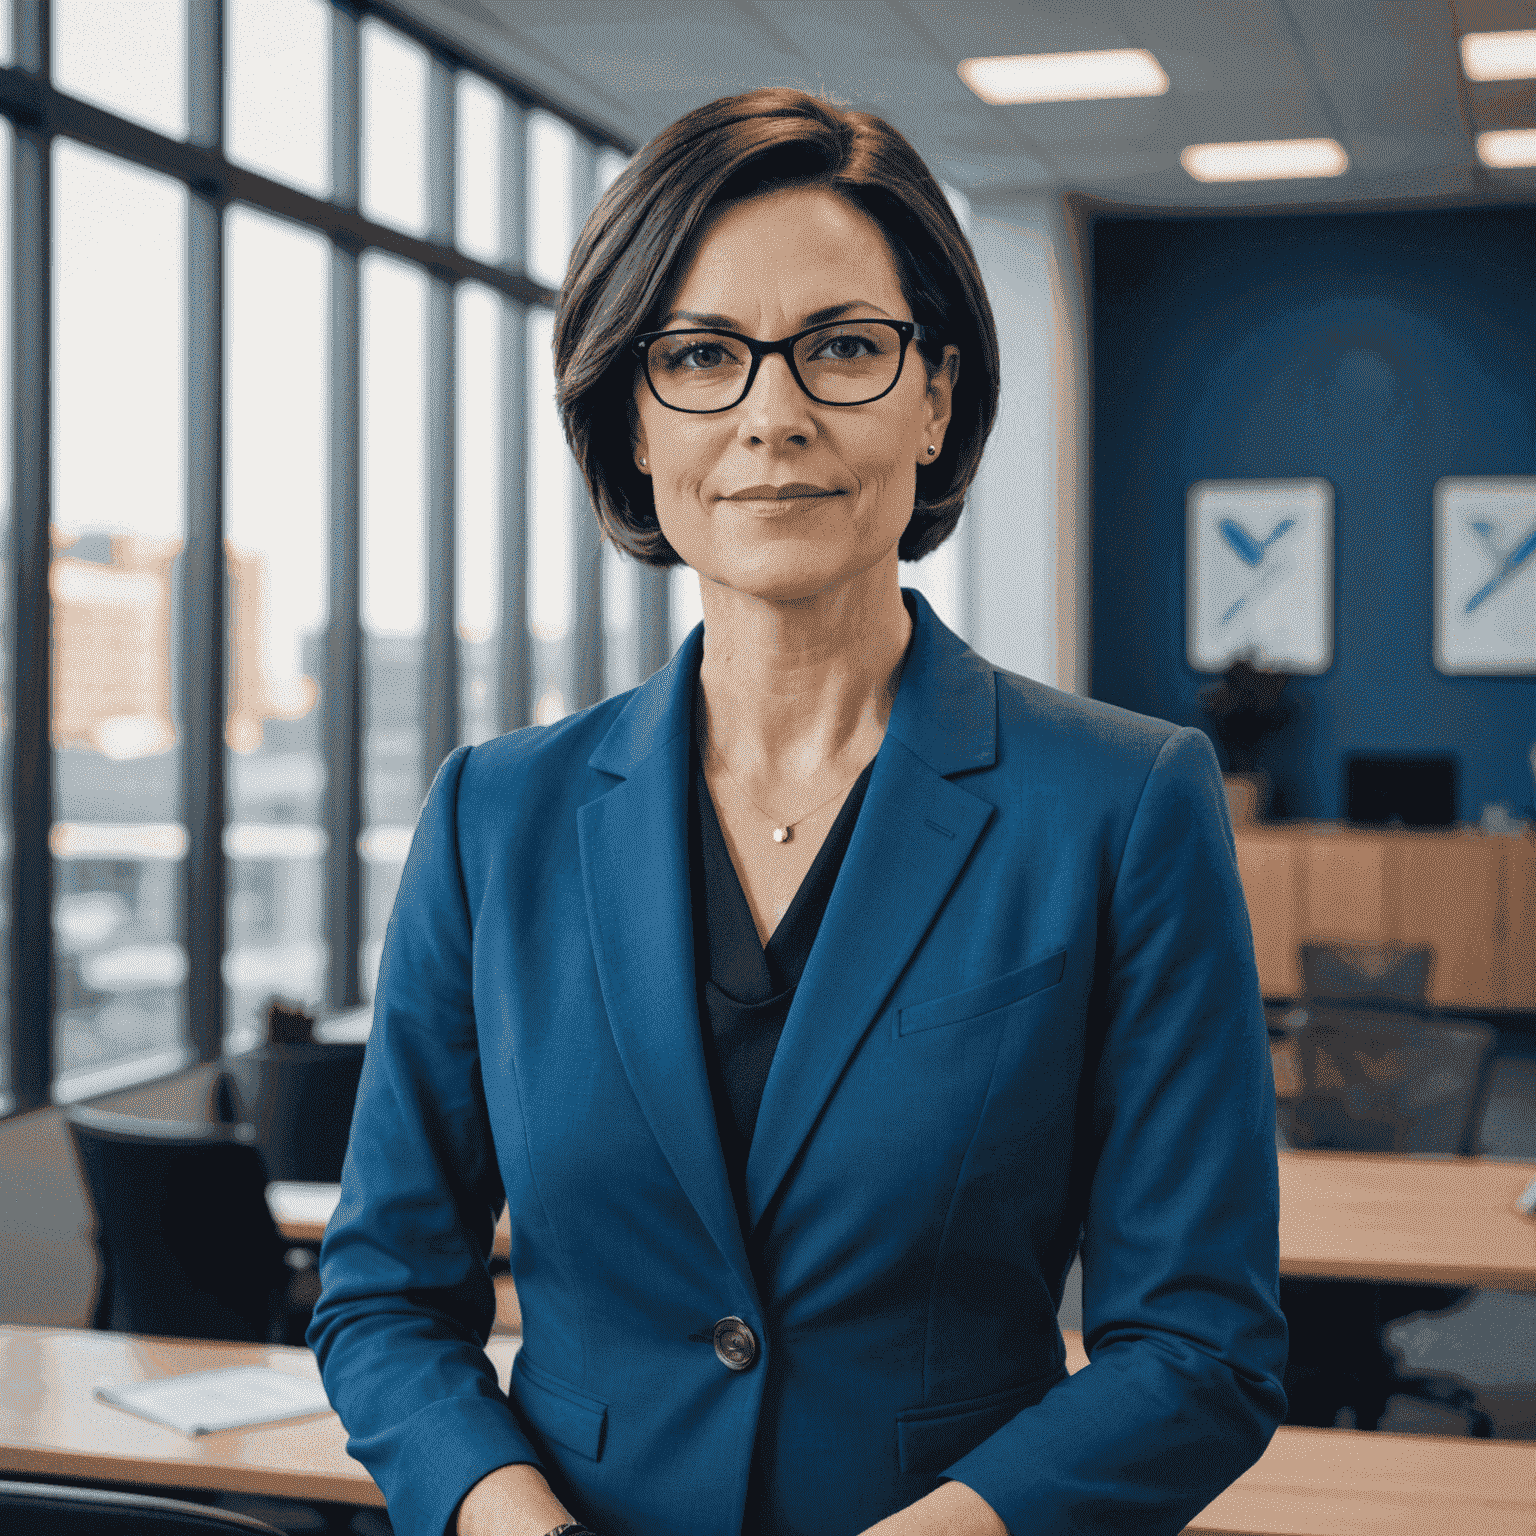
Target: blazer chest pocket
<point x="930" y="1439"/>
<point x="1001" y="992"/>
<point x="558" y="1411"/>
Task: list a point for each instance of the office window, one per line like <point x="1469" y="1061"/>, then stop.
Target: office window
<point x="551" y="232"/>
<point x="276" y="549"/>
<point x="478" y="523"/>
<point x="279" y="91"/>
<point x="130" y="59"/>
<point x="394" y="129"/>
<point x="119" y="521"/>
<point x="551" y="473"/>
<point x="394" y="585"/>
<point x="480" y="109"/>
<point x="286" y="369"/>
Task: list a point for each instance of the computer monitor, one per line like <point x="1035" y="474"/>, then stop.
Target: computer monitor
<point x="1415" y="791"/>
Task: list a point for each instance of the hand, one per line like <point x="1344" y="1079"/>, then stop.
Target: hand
<point x="511" y="1501"/>
<point x="952" y="1509"/>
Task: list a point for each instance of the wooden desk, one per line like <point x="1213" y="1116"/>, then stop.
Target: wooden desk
<point x="51" y="1425"/>
<point x="302" y="1210"/>
<point x="1310" y="1482"/>
<point x="1364" y="1216"/>
<point x="1345" y="1215"/>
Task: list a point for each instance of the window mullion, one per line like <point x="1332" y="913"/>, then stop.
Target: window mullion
<point x="514" y="671"/>
<point x="204" y="682"/>
<point x="342" y="732"/>
<point x="31" y="885"/>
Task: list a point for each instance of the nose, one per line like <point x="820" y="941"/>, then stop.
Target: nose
<point x="776" y="410"/>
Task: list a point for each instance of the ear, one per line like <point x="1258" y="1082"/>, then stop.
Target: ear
<point x="941" y="397"/>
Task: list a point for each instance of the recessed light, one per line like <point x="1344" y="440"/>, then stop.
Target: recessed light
<point x="1100" y="76"/>
<point x="1505" y="147"/>
<point x="1265" y="160"/>
<point x="1499" y="55"/>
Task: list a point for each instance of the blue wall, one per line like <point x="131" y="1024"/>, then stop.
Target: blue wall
<point x="1378" y="351"/>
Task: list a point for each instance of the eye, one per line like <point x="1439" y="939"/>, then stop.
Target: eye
<point x="846" y="348"/>
<point x="700" y="355"/>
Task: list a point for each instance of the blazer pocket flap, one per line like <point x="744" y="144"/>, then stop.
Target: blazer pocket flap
<point x="558" y="1411"/>
<point x="932" y="1438"/>
<point x="1000" y="992"/>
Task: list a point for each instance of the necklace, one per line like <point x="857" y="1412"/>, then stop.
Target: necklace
<point x="782" y="833"/>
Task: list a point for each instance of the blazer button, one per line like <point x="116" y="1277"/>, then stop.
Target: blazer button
<point x="735" y="1344"/>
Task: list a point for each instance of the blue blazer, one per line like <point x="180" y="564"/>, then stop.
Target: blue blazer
<point x="1030" y="1021"/>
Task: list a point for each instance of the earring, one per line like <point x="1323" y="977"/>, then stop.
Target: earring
<point x="642" y="461"/>
<point x="931" y="449"/>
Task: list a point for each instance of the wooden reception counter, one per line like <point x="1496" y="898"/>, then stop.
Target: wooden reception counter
<point x="1471" y="897"/>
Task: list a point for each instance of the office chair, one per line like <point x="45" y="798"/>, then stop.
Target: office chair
<point x="298" y="1097"/>
<point x="186" y="1242"/>
<point x="1367" y="973"/>
<point x="1375" y="1081"/>
<point x="47" y="1509"/>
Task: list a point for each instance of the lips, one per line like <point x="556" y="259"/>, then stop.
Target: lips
<point x="796" y="489"/>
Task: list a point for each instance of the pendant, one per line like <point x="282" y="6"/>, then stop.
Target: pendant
<point x="783" y="834"/>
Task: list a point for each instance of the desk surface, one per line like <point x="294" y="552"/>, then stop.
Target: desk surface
<point x="1310" y="1482"/>
<point x="1344" y="1215"/>
<point x="1362" y="1216"/>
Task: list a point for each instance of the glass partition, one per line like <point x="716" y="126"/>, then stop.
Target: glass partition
<point x="394" y="86"/>
<point x="128" y="58"/>
<point x="276" y="548"/>
<point x="279" y="96"/>
<point x="478" y="526"/>
<point x="119" y="521"/>
<point x="394" y="583"/>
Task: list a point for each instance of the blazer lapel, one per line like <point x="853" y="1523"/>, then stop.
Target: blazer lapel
<point x="914" y="834"/>
<point x="634" y="863"/>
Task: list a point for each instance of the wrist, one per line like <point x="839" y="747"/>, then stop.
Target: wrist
<point x="514" y="1500"/>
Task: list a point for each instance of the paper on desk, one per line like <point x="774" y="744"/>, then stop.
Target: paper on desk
<point x="206" y="1401"/>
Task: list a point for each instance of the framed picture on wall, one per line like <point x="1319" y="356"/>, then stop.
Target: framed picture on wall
<point x="1259" y="574"/>
<point x="1485" y="574"/>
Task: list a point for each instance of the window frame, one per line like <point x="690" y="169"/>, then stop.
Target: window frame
<point x="39" y="114"/>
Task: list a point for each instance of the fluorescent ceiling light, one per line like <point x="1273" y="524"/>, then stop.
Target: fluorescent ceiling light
<point x="1507" y="146"/>
<point x="1499" y="55"/>
<point x="1265" y="160"/>
<point x="1065" y="76"/>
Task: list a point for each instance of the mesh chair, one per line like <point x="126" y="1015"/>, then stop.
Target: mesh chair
<point x="46" y="1509"/>
<point x="1375" y="1081"/>
<point x="1367" y="973"/>
<point x="299" y="1099"/>
<point x="187" y="1244"/>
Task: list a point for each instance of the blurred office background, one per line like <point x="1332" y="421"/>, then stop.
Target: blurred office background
<point x="290" y="514"/>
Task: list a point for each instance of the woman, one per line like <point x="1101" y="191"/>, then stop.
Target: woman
<point x="812" y="1004"/>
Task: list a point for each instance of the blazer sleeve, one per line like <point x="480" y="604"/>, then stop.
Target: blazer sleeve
<point x="1181" y="1315"/>
<point x="406" y="1303"/>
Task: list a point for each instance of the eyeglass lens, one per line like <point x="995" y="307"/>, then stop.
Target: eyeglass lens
<point x="843" y="364"/>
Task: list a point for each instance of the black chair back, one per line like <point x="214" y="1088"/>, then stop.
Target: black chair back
<point x="299" y="1099"/>
<point x="188" y="1246"/>
<point x="1374" y="1081"/>
<point x="1382" y="973"/>
<point x="47" y="1509"/>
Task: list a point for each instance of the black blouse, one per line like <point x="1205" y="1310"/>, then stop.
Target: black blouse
<point x="744" y="987"/>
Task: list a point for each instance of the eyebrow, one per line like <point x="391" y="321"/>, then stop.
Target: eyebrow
<point x="728" y="323"/>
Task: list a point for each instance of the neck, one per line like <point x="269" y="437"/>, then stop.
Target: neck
<point x="789" y="688"/>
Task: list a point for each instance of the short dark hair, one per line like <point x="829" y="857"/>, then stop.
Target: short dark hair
<point x="631" y="248"/>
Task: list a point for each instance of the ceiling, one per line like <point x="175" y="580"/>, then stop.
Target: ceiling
<point x="1383" y="77"/>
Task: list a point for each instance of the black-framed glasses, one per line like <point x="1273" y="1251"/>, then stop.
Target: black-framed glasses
<point x="849" y="362"/>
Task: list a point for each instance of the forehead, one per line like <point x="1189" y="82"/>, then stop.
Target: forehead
<point x="799" y="247"/>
